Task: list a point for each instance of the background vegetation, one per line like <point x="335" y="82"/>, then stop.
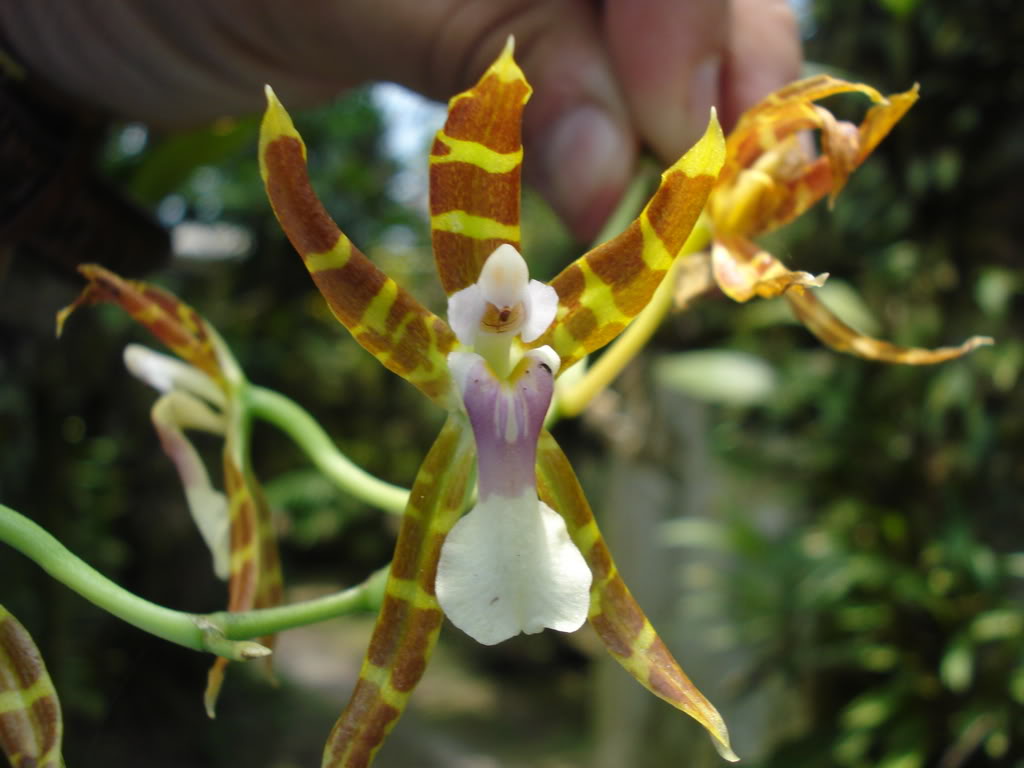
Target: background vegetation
<point x="836" y="553"/>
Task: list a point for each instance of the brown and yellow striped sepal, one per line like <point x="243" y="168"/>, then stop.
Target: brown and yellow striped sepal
<point x="410" y="618"/>
<point x="601" y="292"/>
<point x="475" y="165"/>
<point x="383" y="317"/>
<point x="31" y="727"/>
<point x="614" y="614"/>
<point x="172" y="321"/>
<point x="254" y="579"/>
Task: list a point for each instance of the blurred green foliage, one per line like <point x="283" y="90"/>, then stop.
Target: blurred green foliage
<point x="888" y="598"/>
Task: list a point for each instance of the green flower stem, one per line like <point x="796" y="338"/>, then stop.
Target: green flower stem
<point x="225" y="634"/>
<point x="291" y="418"/>
<point x="362" y="598"/>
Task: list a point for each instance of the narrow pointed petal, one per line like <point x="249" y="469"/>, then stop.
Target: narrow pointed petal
<point x="255" y="570"/>
<point x="172" y="414"/>
<point x="410" y="618"/>
<point x="173" y="322"/>
<point x="475" y="168"/>
<point x="601" y="292"/>
<point x="31" y="726"/>
<point x="820" y="321"/>
<point x="384" y="318"/>
<point x="614" y="614"/>
<point x="742" y="270"/>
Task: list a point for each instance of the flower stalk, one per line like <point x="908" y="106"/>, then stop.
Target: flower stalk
<point x="222" y="633"/>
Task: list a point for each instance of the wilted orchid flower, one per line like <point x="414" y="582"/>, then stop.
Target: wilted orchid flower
<point x="200" y="391"/>
<point x="772" y="175"/>
<point x="529" y="555"/>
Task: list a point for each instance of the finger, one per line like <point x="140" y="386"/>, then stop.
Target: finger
<point x="579" y="147"/>
<point x="668" y="56"/>
<point x="763" y="54"/>
<point x="181" y="63"/>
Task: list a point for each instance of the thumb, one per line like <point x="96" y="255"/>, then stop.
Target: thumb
<point x="177" y="63"/>
<point x="579" y="147"/>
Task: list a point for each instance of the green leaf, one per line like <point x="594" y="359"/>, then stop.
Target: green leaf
<point x="718" y="376"/>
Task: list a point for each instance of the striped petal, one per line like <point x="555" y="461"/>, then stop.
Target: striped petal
<point x="410" y="618"/>
<point x="171" y="320"/>
<point x="602" y="291"/>
<point x="475" y="167"/>
<point x="31" y="727"/>
<point x="614" y="614"/>
<point x="820" y="321"/>
<point x="254" y="579"/>
<point x="384" y="318"/>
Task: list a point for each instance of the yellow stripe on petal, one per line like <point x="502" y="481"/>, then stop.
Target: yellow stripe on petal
<point x="336" y="258"/>
<point x="477" y="227"/>
<point x="475" y="153"/>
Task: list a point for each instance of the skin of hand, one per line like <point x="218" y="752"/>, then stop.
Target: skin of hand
<point x="609" y="77"/>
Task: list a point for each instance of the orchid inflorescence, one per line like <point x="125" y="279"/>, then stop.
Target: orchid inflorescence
<point x="528" y="555"/>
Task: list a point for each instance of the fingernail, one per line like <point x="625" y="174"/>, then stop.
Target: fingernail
<point x="704" y="94"/>
<point x="587" y="163"/>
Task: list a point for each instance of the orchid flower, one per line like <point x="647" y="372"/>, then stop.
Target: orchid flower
<point x="771" y="176"/>
<point x="202" y="391"/>
<point x="529" y="555"/>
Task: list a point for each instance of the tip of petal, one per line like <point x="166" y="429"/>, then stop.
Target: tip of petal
<point x="505" y="66"/>
<point x="62" y="316"/>
<point x="707" y="156"/>
<point x="277" y="123"/>
<point x="977" y="341"/>
<point x="724" y="750"/>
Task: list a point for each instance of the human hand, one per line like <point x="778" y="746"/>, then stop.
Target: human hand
<point x="608" y="76"/>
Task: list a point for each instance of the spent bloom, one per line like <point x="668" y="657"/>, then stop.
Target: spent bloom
<point x="772" y="174"/>
<point x="528" y="555"/>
